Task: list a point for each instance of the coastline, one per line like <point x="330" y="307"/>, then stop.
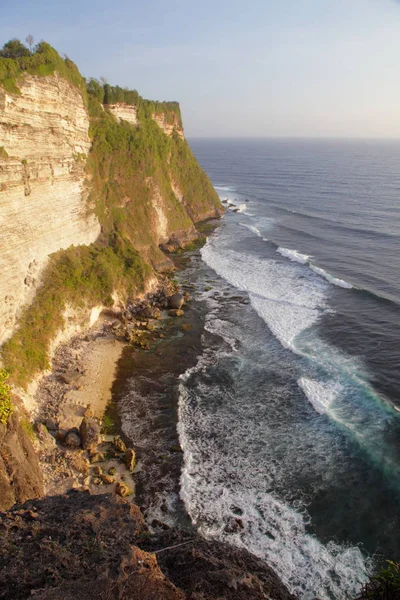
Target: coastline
<point x="105" y="365"/>
<point x="90" y="375"/>
<point x="78" y="390"/>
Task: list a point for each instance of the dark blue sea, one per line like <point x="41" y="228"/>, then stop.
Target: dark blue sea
<point x="290" y="419"/>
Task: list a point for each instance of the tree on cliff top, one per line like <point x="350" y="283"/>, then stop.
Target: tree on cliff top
<point x="30" y="41"/>
<point x="14" y="49"/>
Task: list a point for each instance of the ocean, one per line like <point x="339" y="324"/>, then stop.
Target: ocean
<point x="289" y="416"/>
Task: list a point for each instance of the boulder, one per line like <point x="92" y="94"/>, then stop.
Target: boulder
<point x="72" y="438"/>
<point x="45" y="438"/>
<point x="123" y="490"/>
<point x="51" y="424"/>
<point x="119" y="444"/>
<point x="149" y="312"/>
<point x="107" y="479"/>
<point x="97" y="471"/>
<point x="96" y="457"/>
<point x="112" y="471"/>
<point x="130" y="459"/>
<point x="90" y="433"/>
<point x="70" y="377"/>
<point x="176" y="301"/>
<point x="174" y="312"/>
<point x="89" y="411"/>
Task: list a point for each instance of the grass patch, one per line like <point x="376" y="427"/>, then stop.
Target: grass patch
<point x="27" y="426"/>
<point x="3" y="153"/>
<point x="6" y="407"/>
<point x="108" y="426"/>
<point x="81" y="276"/>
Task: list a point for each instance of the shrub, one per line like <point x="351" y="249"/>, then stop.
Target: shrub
<point x="108" y="426"/>
<point x="385" y="585"/>
<point x="44" y="61"/>
<point x="6" y="407"/>
<point x="14" y="49"/>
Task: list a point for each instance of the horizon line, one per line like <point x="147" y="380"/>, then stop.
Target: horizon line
<point x="292" y="137"/>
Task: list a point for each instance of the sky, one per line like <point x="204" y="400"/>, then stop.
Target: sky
<point x="249" y="68"/>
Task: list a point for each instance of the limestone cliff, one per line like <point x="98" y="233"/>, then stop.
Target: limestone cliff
<point x="168" y="126"/>
<point x="124" y="112"/>
<point x="44" y="135"/>
<point x="81" y="162"/>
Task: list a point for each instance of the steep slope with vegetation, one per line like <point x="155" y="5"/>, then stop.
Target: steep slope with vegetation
<point x="138" y="180"/>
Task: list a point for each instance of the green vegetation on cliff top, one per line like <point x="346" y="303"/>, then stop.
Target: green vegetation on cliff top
<point x="43" y="61"/>
<point x="128" y="167"/>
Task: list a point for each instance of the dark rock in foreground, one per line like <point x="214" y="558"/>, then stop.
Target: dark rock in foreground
<point x="210" y="570"/>
<point x="20" y="475"/>
<point x="80" y="547"/>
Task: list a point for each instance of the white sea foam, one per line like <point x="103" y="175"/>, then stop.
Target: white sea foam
<point x="252" y="228"/>
<point x="287" y="303"/>
<point x="215" y="492"/>
<point x="320" y="394"/>
<point x="221" y="328"/>
<point x="225" y="188"/>
<point x="331" y="278"/>
<point x="294" y="255"/>
<point x="304" y="259"/>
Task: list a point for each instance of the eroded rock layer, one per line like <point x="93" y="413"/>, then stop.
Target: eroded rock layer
<point x="44" y="140"/>
<point x="124" y="112"/>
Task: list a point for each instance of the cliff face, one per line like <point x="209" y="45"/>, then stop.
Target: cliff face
<point x="168" y="127"/>
<point x="129" y="113"/>
<point x="124" y="112"/>
<point x="43" y="207"/>
<point x="74" y="171"/>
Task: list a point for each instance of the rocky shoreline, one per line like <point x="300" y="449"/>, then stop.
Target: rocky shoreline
<point x="75" y="446"/>
<point x="90" y="542"/>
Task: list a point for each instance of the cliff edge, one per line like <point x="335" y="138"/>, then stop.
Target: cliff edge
<point x="81" y="547"/>
<point x="96" y="184"/>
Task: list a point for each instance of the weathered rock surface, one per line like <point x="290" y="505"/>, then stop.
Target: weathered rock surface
<point x="80" y="547"/>
<point x="168" y="127"/>
<point x="42" y="198"/>
<point x="90" y="433"/>
<point x="176" y="301"/>
<point x="124" y="112"/>
<point x="72" y="438"/>
<point x="119" y="444"/>
<point x="123" y="490"/>
<point x="130" y="459"/>
<point x="20" y="475"/>
<point x="208" y="570"/>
